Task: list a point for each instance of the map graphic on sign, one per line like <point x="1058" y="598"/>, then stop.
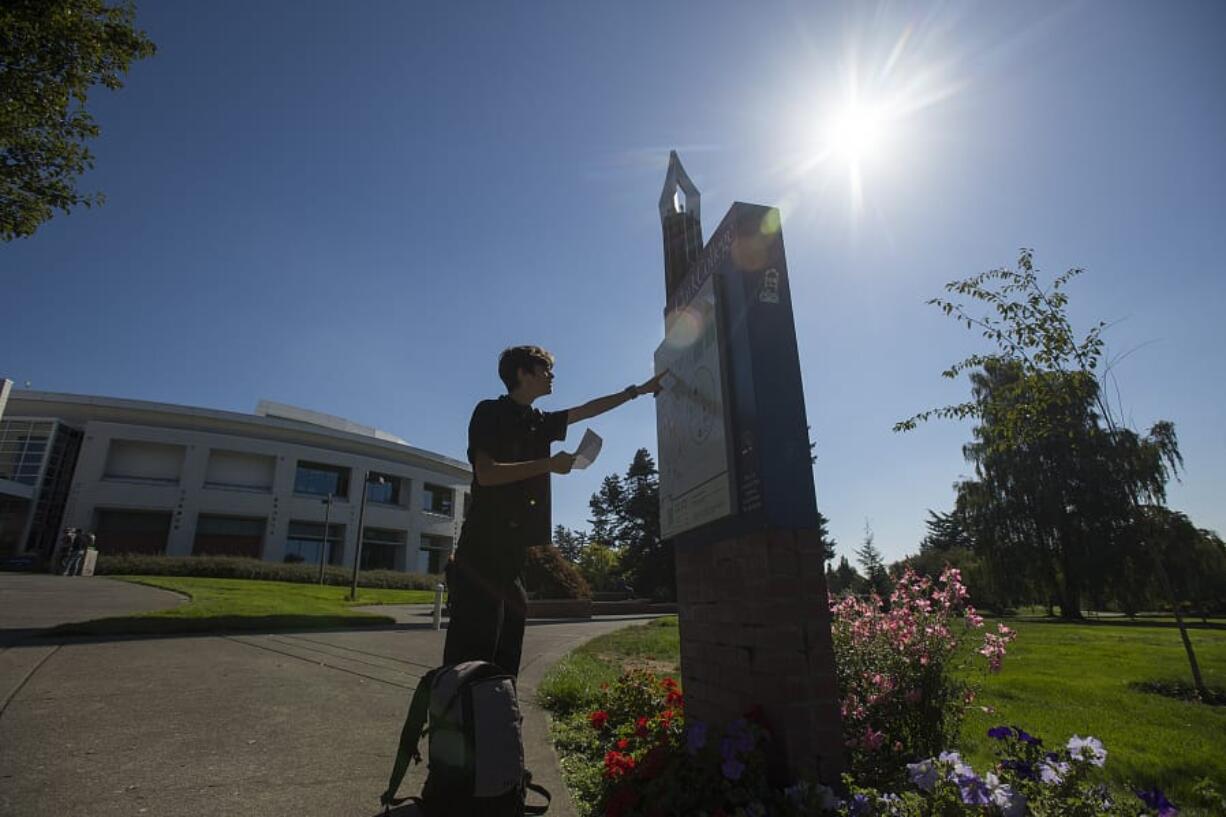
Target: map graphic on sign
<point x="694" y="480"/>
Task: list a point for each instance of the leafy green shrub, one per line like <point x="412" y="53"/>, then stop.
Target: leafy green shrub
<point x="548" y="575"/>
<point x="238" y="567"/>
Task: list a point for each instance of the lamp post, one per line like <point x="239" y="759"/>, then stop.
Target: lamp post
<point x="357" y="554"/>
<point x="323" y="550"/>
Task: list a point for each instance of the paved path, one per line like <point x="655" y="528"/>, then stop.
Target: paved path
<point x="299" y="724"/>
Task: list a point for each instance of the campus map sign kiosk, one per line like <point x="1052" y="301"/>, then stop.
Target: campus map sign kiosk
<point x="736" y="483"/>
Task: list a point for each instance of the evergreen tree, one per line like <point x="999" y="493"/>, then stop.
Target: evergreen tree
<point x="646" y="561"/>
<point x="569" y="542"/>
<point x="843" y="579"/>
<point x="608" y="507"/>
<point x="870" y="559"/>
<point x="823" y="536"/>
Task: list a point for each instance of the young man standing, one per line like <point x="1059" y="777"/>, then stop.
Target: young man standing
<point x="508" y="447"/>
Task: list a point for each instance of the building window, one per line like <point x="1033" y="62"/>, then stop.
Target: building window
<point x="438" y="549"/>
<point x="240" y="471"/>
<point x="123" y="531"/>
<point x="229" y="536"/>
<point x="440" y="499"/>
<point x="22" y="446"/>
<point x="383" y="489"/>
<point x="306" y="539"/>
<point x="141" y="461"/>
<point x="383" y="549"/>
<point x="320" y="480"/>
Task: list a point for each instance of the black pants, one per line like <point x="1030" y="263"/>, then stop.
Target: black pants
<point x="487" y="620"/>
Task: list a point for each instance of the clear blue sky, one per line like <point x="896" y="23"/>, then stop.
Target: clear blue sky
<point x="354" y="207"/>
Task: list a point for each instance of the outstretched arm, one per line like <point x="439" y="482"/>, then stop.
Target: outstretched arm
<point x="611" y="401"/>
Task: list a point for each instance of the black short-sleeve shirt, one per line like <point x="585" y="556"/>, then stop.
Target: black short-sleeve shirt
<point x="505" y="520"/>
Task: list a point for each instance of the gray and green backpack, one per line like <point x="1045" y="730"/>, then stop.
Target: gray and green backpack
<point x="476" y="749"/>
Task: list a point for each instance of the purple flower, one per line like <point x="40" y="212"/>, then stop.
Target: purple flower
<point x="1052" y="773"/>
<point x="1155" y="799"/>
<point x="859" y="805"/>
<point x="923" y="774"/>
<point x="695" y="737"/>
<point x="960" y="769"/>
<point x="742" y="738"/>
<point x="973" y="790"/>
<point x="732" y="769"/>
<point x="1010" y="802"/>
<point x="1025" y="738"/>
<point x="1020" y="768"/>
<point x="1000" y="732"/>
<point x="1087" y="748"/>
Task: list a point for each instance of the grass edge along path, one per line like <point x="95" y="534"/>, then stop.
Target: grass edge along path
<point x="246" y="605"/>
<point x="1058" y="680"/>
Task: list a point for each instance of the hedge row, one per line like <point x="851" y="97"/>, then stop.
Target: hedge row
<point x="237" y="567"/>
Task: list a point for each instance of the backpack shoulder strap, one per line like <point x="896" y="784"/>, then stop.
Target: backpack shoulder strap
<point x="536" y="788"/>
<point x="410" y="735"/>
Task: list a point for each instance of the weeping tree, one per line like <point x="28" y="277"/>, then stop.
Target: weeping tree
<point x="1061" y="487"/>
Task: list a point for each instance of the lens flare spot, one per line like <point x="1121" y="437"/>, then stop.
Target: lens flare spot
<point x="684" y="327"/>
<point x="751" y="252"/>
<point x="770" y="223"/>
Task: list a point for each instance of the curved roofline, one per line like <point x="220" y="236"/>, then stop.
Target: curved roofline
<point x="94" y="407"/>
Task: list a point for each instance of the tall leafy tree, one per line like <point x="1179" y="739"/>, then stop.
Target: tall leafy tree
<point x="1059" y="482"/>
<point x="52" y="54"/>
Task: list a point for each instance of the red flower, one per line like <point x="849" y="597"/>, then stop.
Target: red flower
<point x="669" y="684"/>
<point x="598" y="719"/>
<point x="640" y="727"/>
<point x="617" y="764"/>
<point x="623" y="744"/>
<point x="673" y="698"/>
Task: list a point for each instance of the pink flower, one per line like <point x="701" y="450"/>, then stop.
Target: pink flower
<point x="872" y="740"/>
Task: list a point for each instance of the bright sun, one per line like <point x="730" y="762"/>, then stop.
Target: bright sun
<point x="855" y="132"/>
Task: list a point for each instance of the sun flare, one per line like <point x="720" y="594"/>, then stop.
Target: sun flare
<point x="856" y="132"/>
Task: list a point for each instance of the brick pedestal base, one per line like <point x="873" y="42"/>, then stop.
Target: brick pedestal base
<point x="755" y="630"/>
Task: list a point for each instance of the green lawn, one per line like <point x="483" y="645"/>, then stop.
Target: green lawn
<point x="1064" y="679"/>
<point x="1058" y="680"/>
<point x="223" y="605"/>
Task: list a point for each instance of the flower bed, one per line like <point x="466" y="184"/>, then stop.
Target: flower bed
<point x="632" y="751"/>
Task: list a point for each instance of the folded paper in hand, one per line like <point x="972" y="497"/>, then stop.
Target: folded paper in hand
<point x="589" y="447"/>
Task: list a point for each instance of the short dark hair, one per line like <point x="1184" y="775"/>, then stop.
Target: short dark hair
<point x="521" y="357"/>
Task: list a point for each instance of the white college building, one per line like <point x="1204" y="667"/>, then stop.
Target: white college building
<point x="177" y="480"/>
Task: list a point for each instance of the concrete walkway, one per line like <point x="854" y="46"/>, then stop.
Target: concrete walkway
<point x="300" y="724"/>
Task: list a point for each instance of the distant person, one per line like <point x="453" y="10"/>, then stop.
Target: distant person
<point x="77" y="554"/>
<point x="508" y="447"/>
<point x="63" y="550"/>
